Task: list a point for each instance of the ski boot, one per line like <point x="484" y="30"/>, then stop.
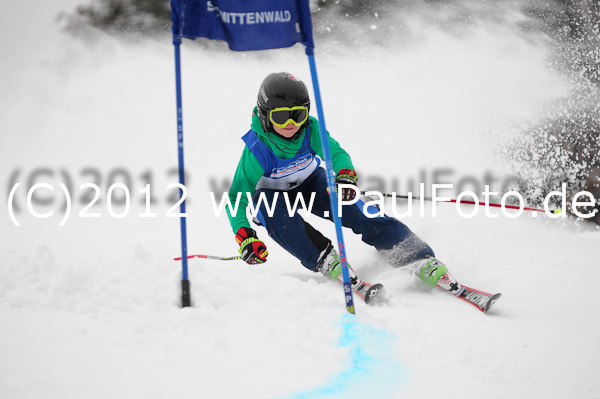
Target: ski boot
<point x="435" y="273"/>
<point x="331" y="267"/>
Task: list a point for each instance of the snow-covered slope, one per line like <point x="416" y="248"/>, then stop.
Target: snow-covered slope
<point x="90" y="309"/>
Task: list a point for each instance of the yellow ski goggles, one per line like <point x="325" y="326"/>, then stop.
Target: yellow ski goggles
<point x="282" y="116"/>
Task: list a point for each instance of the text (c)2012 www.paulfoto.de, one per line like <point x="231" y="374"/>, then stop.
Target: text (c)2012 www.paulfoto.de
<point x="373" y="204"/>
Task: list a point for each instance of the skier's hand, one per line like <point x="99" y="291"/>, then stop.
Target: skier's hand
<point x="252" y="249"/>
<point x="347" y="176"/>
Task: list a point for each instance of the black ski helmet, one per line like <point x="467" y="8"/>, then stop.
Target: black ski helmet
<point x="280" y="90"/>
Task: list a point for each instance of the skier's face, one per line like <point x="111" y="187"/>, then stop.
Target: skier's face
<point x="288" y="131"/>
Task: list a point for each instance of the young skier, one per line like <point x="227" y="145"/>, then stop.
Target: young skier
<point x="281" y="156"/>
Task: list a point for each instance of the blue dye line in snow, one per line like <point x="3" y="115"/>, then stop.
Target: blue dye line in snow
<point x="372" y="371"/>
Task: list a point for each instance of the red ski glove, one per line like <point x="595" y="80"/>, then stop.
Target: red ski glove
<point x="347" y="176"/>
<point x="252" y="249"/>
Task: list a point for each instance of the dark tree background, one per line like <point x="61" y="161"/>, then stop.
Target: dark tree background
<point x="565" y="145"/>
<point x="132" y="16"/>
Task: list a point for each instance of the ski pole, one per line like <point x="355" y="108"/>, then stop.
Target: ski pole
<point x="212" y="257"/>
<point x="454" y="201"/>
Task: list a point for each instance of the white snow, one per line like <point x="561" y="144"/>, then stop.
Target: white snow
<point x="90" y="309"/>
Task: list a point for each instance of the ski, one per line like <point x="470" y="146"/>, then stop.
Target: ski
<point x="370" y="293"/>
<point x="481" y="300"/>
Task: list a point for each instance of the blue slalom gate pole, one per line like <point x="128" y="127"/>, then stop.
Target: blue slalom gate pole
<point x="332" y="189"/>
<point x="185" y="282"/>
